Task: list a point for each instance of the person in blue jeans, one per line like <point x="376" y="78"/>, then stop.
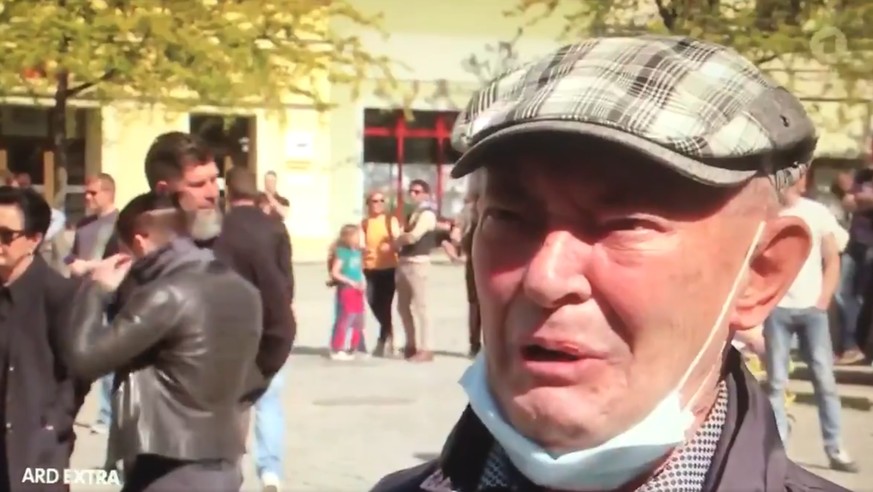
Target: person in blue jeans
<point x="848" y="301"/>
<point x="803" y="311"/>
<point x="104" y="414"/>
<point x="270" y="434"/>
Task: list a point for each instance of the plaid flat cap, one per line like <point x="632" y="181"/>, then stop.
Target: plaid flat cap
<point x="698" y="108"/>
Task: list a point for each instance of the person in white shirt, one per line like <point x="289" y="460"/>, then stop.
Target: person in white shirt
<point x="803" y="311"/>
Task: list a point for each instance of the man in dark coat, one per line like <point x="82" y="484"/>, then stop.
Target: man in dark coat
<point x="629" y="227"/>
<point x="41" y="399"/>
<point x="180" y="163"/>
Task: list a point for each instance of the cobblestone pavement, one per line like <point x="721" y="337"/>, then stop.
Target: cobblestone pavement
<point x="349" y="423"/>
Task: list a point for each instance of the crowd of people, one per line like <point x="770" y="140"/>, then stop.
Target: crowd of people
<point x="384" y="257"/>
<point x="636" y="205"/>
<point x="182" y="310"/>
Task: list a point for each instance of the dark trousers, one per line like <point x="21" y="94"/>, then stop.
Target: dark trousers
<point x="474" y="320"/>
<point x="380" y="296"/>
<point x="150" y="473"/>
<point x="863" y="284"/>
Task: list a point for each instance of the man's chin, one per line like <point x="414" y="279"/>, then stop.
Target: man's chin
<point x="559" y="419"/>
<point x="206" y="225"/>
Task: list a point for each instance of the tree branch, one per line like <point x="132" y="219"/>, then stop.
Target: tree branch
<point x="765" y="59"/>
<point x="668" y="15"/>
<point x="74" y="91"/>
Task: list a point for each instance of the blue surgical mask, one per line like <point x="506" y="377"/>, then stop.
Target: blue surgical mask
<point x="617" y="461"/>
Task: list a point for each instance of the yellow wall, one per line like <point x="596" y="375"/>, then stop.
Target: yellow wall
<point x="128" y="132"/>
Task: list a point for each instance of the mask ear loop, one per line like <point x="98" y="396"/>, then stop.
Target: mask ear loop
<point x="728" y="303"/>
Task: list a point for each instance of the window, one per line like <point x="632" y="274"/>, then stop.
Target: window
<point x="398" y="150"/>
<point x="381" y="150"/>
<point x="227" y="137"/>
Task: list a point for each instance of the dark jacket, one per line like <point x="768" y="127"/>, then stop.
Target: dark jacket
<point x="749" y="457"/>
<point x="249" y="243"/>
<point x="186" y="339"/>
<point x="283" y="254"/>
<point x="41" y="399"/>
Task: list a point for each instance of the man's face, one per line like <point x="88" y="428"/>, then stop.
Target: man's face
<point x="23" y="180"/>
<point x="417" y="194"/>
<point x="376" y="203"/>
<point x="198" y="190"/>
<point x="97" y="197"/>
<point x="845" y="181"/>
<point x="14" y="244"/>
<point x="597" y="290"/>
<point x="270" y="183"/>
<point x="199" y="185"/>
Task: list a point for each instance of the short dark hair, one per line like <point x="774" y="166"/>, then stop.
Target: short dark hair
<point x="170" y="153"/>
<point x="150" y="212"/>
<point x="241" y="184"/>
<point x="421" y="184"/>
<point x="36" y="211"/>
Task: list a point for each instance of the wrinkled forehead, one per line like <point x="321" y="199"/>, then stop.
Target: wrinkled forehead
<point x="593" y="173"/>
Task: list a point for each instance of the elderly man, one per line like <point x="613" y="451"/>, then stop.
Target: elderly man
<point x="629" y="227"/>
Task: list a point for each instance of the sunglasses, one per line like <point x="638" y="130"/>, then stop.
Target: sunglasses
<point x="8" y="235"/>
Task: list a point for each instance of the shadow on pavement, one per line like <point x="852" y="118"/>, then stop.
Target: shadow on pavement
<point x="323" y="352"/>
<point x="812" y="466"/>
<point x="425" y="456"/>
<point x="303" y="350"/>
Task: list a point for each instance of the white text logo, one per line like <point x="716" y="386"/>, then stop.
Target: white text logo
<point x="70" y="476"/>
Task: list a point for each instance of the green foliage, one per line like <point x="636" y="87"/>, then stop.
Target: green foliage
<point x="192" y="52"/>
<point x="836" y="33"/>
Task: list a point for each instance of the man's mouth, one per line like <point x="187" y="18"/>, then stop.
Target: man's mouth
<point x="551" y="353"/>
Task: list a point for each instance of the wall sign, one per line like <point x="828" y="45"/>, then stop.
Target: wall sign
<point x="299" y="146"/>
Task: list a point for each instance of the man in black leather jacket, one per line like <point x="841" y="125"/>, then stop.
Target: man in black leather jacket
<point x="184" y="346"/>
<point x="183" y="164"/>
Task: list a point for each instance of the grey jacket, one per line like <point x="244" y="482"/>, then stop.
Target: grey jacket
<point x="184" y="346"/>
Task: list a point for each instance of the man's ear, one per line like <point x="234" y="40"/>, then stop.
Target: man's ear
<point x="162" y="187"/>
<point x="784" y="247"/>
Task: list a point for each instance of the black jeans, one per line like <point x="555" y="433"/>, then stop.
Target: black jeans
<point x="380" y="296"/>
<point x="863" y="284"/>
<point x="151" y="473"/>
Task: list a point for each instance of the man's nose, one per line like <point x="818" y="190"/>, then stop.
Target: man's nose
<point x="555" y="275"/>
<point x="212" y="192"/>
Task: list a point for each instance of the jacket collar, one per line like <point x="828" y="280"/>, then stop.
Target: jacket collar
<point x="26" y="285"/>
<point x="176" y="253"/>
<point x="759" y="464"/>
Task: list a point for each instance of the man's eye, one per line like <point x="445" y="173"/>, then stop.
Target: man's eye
<point x="503" y="215"/>
<point x="628" y="224"/>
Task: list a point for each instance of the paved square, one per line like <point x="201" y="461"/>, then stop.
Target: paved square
<point x="349" y="423"/>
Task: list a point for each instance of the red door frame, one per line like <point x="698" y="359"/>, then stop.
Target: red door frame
<point x="441" y="132"/>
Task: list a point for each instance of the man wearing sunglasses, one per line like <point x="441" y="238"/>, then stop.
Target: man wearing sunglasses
<point x="414" y="248"/>
<point x="40" y="399"/>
